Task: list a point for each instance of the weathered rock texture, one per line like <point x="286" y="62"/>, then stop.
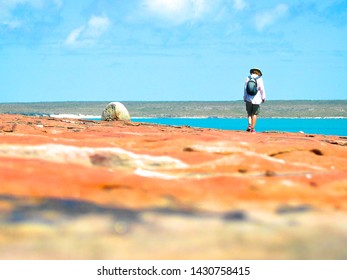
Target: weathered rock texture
<point x="115" y="111"/>
<point x="75" y="189"/>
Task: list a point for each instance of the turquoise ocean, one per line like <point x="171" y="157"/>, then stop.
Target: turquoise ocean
<point x="309" y="117"/>
<point x="328" y="126"/>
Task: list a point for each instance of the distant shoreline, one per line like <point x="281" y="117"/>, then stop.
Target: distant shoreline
<point x="186" y="109"/>
<point x="72" y="116"/>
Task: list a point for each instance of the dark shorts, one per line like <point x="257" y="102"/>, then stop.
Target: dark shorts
<point x="252" y="109"/>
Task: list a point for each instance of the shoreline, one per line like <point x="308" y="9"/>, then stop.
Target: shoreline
<point x="189" y="109"/>
<point x="334" y="126"/>
<point x="81" y="116"/>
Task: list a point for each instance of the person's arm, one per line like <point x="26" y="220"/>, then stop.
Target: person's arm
<point x="245" y="90"/>
<point x="261" y="88"/>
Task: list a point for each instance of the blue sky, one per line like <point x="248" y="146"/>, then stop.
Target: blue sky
<point x="145" y="50"/>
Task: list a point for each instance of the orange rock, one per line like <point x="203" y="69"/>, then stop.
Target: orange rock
<point x="146" y="185"/>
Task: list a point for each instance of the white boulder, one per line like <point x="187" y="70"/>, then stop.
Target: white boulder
<point x="115" y="111"/>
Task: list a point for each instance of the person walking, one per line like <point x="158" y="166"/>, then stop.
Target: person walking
<point x="254" y="95"/>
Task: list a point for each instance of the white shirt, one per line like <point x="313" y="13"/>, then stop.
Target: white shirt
<point x="260" y="96"/>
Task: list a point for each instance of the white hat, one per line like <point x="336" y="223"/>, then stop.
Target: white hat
<point x="255" y="69"/>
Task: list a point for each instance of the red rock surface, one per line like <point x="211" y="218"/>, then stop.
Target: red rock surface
<point x="76" y="189"/>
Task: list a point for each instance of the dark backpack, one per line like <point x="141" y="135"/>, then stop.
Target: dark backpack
<point x="252" y="87"/>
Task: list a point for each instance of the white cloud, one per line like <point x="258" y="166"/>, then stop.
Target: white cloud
<point x="269" y="17"/>
<point x="181" y="11"/>
<point x="177" y="11"/>
<point x="72" y="38"/>
<point x="89" y="33"/>
<point x="97" y="26"/>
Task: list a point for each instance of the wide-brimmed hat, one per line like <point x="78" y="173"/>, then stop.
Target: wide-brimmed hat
<point x="255" y="69"/>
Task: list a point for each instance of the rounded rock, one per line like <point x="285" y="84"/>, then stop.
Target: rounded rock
<point x="115" y="111"/>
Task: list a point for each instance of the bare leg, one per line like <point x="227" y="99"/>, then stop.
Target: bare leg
<point x="254" y="120"/>
<point x="249" y="120"/>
